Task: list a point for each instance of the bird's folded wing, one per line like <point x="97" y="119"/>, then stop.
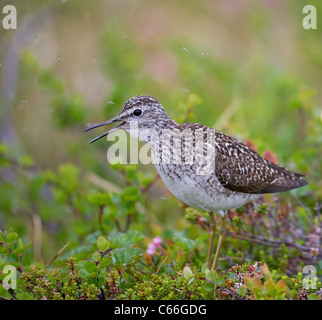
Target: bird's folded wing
<point x="241" y="169"/>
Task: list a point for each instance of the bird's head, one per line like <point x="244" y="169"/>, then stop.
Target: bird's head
<point x="138" y="116"/>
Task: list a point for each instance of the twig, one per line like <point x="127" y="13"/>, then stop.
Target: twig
<point x="100" y="215"/>
<point x="103" y="183"/>
<point x="160" y="267"/>
<point x="58" y="253"/>
<point x="105" y="252"/>
<point x="127" y="224"/>
<point x="128" y="221"/>
<point x="227" y="114"/>
<point x="267" y="242"/>
<point x="21" y="269"/>
<point x="10" y="290"/>
<point x="118" y="226"/>
<point x="37" y="233"/>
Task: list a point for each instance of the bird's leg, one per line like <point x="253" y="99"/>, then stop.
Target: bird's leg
<point x="212" y="225"/>
<point x="222" y="233"/>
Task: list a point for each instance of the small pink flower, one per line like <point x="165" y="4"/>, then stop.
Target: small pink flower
<point x="151" y="249"/>
<point x="156" y="243"/>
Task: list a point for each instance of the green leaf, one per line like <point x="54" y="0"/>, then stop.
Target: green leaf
<point x="19" y="244"/>
<point x="80" y="252"/>
<point x="96" y="256"/>
<point x="122" y="257"/>
<point x="105" y="261"/>
<point x="122" y="240"/>
<point x="312" y="296"/>
<point x="87" y="269"/>
<point x="242" y="290"/>
<point x="101" y="199"/>
<point x="211" y="274"/>
<point x="144" y="178"/>
<point x="12" y="236"/>
<point x="12" y="259"/>
<point x="20" y="247"/>
<point x="187" y="273"/>
<point x="202" y="238"/>
<point x="2" y="236"/>
<point x="252" y="283"/>
<point x="26" y="160"/>
<point x="3" y="250"/>
<point x="194" y="100"/>
<point x="92" y="237"/>
<point x="24" y="296"/>
<point x="209" y="287"/>
<point x="220" y="281"/>
<point x="68" y="174"/>
<point x="3" y="291"/>
<point x="185" y="243"/>
<point x="130" y="194"/>
<point x="3" y="148"/>
<point x="265" y="272"/>
<point x="102" y="243"/>
<point x="18" y="251"/>
<point x="232" y="275"/>
<point x="101" y="280"/>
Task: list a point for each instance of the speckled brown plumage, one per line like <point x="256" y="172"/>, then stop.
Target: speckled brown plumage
<point x="238" y="174"/>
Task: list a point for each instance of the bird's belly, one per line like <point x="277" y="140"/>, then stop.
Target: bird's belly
<point x="193" y="193"/>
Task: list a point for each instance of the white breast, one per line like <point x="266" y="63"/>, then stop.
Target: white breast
<point x="190" y="193"/>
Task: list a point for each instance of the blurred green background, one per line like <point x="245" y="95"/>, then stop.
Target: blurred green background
<point x="244" y="67"/>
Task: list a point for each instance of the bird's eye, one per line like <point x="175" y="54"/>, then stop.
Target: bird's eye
<point x="137" y="112"/>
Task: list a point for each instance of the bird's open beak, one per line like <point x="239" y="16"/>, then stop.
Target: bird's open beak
<point x="104" y="124"/>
